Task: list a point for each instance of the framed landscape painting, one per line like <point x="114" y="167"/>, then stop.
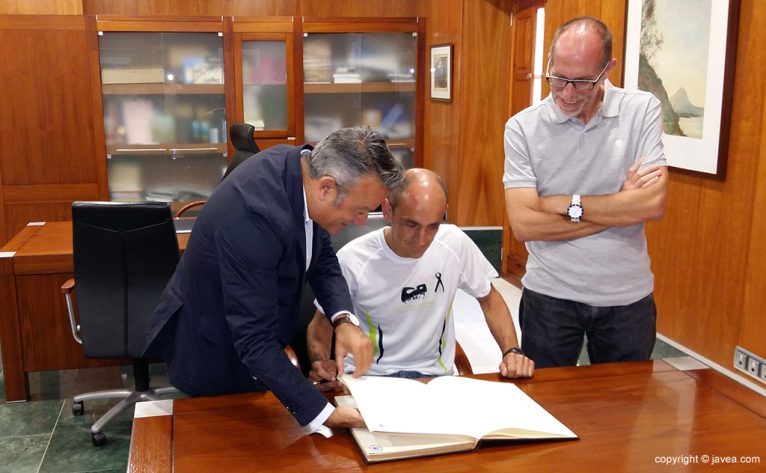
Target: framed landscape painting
<point x="683" y="52"/>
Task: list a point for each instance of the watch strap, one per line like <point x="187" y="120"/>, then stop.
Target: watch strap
<point x="344" y="318"/>
<point x="514" y="350"/>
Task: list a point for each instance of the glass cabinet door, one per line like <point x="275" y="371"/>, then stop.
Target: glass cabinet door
<point x="267" y="83"/>
<point x="353" y="79"/>
<point x="164" y="114"/>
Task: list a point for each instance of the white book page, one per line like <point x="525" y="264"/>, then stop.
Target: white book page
<point x="449" y="405"/>
<point x="393" y="404"/>
<point x="482" y="407"/>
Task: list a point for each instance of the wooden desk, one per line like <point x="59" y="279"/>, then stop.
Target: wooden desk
<point x="34" y="326"/>
<point x="629" y="416"/>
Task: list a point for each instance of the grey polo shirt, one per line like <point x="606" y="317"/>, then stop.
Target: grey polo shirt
<point x="557" y="154"/>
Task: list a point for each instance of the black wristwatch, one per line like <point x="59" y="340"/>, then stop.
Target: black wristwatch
<point x="345" y="318"/>
<point x="514" y="350"/>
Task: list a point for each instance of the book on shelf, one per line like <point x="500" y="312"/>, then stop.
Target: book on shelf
<point x="347" y="80"/>
<point x="406" y="418"/>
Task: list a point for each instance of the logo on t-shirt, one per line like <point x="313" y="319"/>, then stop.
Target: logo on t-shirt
<point x="439" y="283"/>
<point x="413" y="293"/>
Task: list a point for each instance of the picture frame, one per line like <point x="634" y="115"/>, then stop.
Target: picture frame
<point x="689" y="66"/>
<point x="441" y="72"/>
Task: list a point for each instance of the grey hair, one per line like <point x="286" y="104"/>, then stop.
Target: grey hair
<point x="594" y="23"/>
<point x="348" y="154"/>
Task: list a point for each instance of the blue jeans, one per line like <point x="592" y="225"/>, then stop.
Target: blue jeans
<point x="552" y="330"/>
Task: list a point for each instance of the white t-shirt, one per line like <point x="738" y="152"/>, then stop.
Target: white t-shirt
<point x="404" y="305"/>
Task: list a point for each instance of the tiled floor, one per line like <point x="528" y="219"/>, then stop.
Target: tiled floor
<point x="42" y="435"/>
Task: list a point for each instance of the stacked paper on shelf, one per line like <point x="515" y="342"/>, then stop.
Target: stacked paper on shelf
<point x="346" y="78"/>
<point x="133" y="76"/>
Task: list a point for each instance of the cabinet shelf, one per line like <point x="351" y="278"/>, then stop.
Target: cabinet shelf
<point x="166" y="149"/>
<point x="322" y="88"/>
<point x="163" y="89"/>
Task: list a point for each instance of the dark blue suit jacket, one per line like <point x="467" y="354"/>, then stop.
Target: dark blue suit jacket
<point x="234" y="300"/>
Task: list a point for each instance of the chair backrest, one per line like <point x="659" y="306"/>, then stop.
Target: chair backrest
<point x="241" y="136"/>
<point x="124" y="255"/>
<point x="350" y="232"/>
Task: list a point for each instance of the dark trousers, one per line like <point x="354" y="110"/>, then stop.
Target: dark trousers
<point x="552" y="330"/>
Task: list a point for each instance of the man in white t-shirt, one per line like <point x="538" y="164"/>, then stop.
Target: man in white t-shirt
<point x="403" y="279"/>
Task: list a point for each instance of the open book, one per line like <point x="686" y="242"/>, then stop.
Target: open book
<point x="407" y="418"/>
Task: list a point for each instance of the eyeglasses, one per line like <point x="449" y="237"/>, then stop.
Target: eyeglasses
<point x="560" y="83"/>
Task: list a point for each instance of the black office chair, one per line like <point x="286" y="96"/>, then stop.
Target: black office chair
<point x="124" y="255"/>
<point x="241" y="137"/>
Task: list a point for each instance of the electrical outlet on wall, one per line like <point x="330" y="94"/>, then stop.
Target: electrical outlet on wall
<point x="740" y="359"/>
<point x="750" y="363"/>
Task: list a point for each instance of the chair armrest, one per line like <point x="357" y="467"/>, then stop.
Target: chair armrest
<point x="292" y="356"/>
<point x="462" y="365"/>
<point x="67" y="287"/>
<point x="189" y="206"/>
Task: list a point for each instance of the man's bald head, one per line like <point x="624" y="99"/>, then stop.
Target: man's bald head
<point x="415" y="209"/>
<point x="419" y="184"/>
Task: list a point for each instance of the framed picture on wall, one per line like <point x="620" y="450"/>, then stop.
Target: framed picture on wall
<point x="441" y="72"/>
<point x="683" y="52"/>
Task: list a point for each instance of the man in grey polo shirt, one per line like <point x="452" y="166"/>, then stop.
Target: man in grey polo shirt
<point x="584" y="170"/>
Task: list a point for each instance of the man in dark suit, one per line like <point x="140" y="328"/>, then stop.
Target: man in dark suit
<point x="233" y="302"/>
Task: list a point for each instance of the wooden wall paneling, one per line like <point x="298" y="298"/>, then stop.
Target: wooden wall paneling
<point x="232" y="54"/>
<point x="4" y="233"/>
<point x="94" y="61"/>
<point x="47" y="98"/>
<point x="751" y="46"/>
<point x="715" y="223"/>
<point x="362" y="8"/>
<point x="752" y="336"/>
<point x="18" y="215"/>
<point x="41" y="7"/>
<point x="191" y="7"/>
<point x="46" y="95"/>
<point x="484" y="72"/>
<point x="615" y="16"/>
<point x="43" y="202"/>
<point x="298" y="82"/>
<point x="181" y="24"/>
<point x="522" y="70"/>
<point x="522" y="67"/>
<point x="441" y="119"/>
<point x="420" y="91"/>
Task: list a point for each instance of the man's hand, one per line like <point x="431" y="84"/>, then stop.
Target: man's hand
<point x="345" y="417"/>
<point x="514" y="365"/>
<point x="323" y="370"/>
<point x="350" y="339"/>
<point x="639" y="178"/>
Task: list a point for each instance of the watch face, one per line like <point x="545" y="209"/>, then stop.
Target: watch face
<point x="574" y="211"/>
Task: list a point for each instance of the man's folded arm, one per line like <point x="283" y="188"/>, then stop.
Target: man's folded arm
<point x="530" y="221"/>
<point x="623" y="208"/>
